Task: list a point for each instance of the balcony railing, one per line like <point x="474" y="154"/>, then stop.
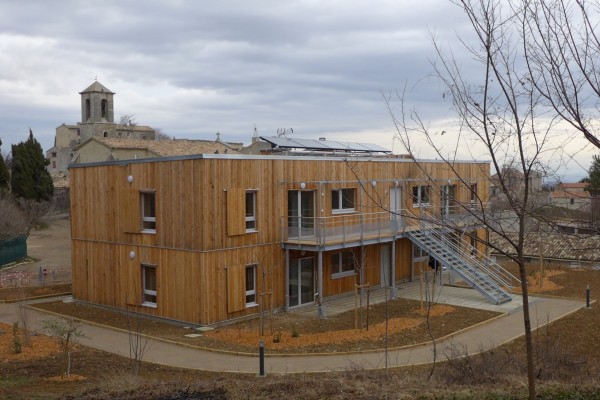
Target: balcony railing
<point x="344" y="228"/>
<point x="352" y="227"/>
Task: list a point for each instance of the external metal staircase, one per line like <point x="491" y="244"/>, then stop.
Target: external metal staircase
<point x="475" y="268"/>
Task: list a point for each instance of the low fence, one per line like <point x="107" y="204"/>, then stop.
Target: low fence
<point x="43" y="277"/>
<point x="13" y="249"/>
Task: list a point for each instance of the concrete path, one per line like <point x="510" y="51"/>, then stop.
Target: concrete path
<point x="481" y="337"/>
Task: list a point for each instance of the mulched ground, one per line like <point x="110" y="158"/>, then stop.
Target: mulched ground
<point x="301" y="334"/>
<point x="21" y="292"/>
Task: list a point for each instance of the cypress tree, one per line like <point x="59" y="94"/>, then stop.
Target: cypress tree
<point x="594" y="175"/>
<point x="30" y="179"/>
<point x="4" y="175"/>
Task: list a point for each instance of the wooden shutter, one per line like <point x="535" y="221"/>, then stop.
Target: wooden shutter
<point x="236" y="288"/>
<point x="236" y="211"/>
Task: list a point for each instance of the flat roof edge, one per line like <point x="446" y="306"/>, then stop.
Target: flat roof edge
<point x="266" y="157"/>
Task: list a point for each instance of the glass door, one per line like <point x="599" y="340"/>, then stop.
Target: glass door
<point x="302" y="281"/>
<point x="301" y="213"/>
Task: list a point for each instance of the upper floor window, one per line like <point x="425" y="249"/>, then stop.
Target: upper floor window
<point x="342" y="264"/>
<point x="473" y="193"/>
<point x="148" y="200"/>
<point x="149" y="285"/>
<point x="343" y="200"/>
<point x="250" y="211"/>
<point x="250" y="285"/>
<point x="53" y="154"/>
<point x="421" y="195"/>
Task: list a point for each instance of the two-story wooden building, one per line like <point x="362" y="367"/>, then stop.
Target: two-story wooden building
<point x="208" y="238"/>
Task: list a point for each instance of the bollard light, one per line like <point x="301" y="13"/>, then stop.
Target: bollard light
<point x="261" y="358"/>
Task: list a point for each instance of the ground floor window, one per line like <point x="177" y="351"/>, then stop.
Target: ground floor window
<point x="342" y="264"/>
<point x="250" y="285"/>
<point x="149" y="284"/>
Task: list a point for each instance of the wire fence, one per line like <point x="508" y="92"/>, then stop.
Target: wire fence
<point x="44" y="276"/>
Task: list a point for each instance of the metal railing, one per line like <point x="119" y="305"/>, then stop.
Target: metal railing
<point x="439" y="226"/>
<point x="344" y="228"/>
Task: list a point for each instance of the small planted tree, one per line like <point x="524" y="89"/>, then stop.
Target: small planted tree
<point x="67" y="331"/>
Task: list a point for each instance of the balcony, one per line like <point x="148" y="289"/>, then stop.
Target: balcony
<point x="345" y="229"/>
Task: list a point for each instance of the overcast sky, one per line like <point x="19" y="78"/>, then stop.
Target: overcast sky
<point x="194" y="68"/>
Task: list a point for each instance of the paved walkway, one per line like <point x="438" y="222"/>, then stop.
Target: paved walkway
<point x="479" y="338"/>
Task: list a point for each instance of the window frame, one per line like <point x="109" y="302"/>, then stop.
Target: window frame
<point x="253" y="291"/>
<point x="149" y="291"/>
<point x="419" y="196"/>
<point x="151" y="219"/>
<point x="337" y="266"/>
<point x="339" y="195"/>
<point x="250" y="218"/>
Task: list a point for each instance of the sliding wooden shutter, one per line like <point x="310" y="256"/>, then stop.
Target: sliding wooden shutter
<point x="236" y="288"/>
<point x="236" y="211"/>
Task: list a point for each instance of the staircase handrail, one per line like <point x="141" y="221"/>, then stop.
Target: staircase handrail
<point x="432" y="224"/>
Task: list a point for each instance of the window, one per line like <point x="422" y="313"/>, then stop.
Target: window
<point x="342" y="264"/>
<point x="250" y="211"/>
<point x="53" y="154"/>
<point x="149" y="284"/>
<point x="88" y="110"/>
<point x="421" y="195"/>
<point x="148" y="200"/>
<point x="104" y="108"/>
<point x="343" y="200"/>
<point x="473" y="193"/>
<point x="419" y="253"/>
<point x="571" y="201"/>
<point x="473" y="243"/>
<point x="251" y="285"/>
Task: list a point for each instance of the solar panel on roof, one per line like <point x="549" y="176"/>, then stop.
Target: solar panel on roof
<point x="331" y="145"/>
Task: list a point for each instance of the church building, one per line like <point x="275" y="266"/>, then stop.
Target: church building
<point x="97" y="120"/>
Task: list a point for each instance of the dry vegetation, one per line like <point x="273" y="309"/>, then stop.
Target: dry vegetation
<point x="567" y="365"/>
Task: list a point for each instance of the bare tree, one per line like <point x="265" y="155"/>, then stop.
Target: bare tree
<point x="562" y="53"/>
<point x="12" y="220"/>
<point x="137" y="341"/>
<point x="67" y="331"/>
<point x="501" y="116"/>
<point x="160" y="135"/>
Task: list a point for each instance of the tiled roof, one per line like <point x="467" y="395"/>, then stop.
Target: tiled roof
<point x="97" y="87"/>
<point x="553" y="245"/>
<point x="566" y="194"/>
<point x="165" y="148"/>
<point x="577" y="185"/>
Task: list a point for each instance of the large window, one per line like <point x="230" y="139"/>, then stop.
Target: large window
<point x="421" y="195"/>
<point x="251" y="285"/>
<point x="343" y="200"/>
<point x="342" y="264"/>
<point x="250" y="211"/>
<point x="148" y="200"/>
<point x="149" y="284"/>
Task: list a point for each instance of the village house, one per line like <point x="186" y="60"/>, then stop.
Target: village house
<point x="572" y="196"/>
<point x="210" y="238"/>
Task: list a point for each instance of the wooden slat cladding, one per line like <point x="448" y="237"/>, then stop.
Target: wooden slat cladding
<point x="200" y="226"/>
